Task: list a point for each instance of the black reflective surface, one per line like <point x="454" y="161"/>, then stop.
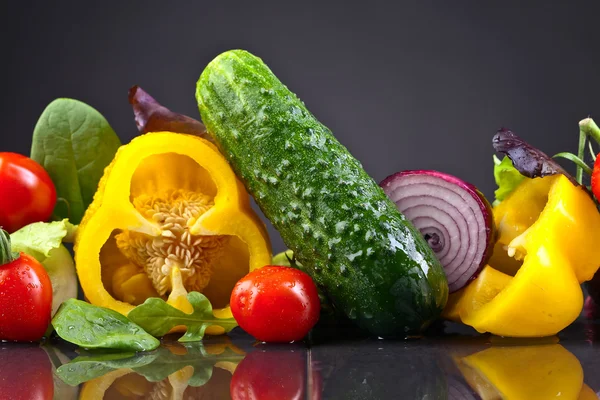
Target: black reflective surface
<point x="451" y="362"/>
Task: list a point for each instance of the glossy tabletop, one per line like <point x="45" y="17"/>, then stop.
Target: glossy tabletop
<point x="450" y="362"/>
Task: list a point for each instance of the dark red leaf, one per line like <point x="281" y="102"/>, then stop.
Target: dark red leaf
<point x="151" y="116"/>
<point x="528" y="160"/>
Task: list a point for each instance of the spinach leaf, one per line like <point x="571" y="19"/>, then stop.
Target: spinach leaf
<point x="157" y="317"/>
<point x="96" y="327"/>
<point x="74" y="143"/>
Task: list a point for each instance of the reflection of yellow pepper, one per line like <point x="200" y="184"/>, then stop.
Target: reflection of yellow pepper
<point x="125" y="383"/>
<point x="169" y="217"/>
<point x="554" y="228"/>
<point x="524" y="372"/>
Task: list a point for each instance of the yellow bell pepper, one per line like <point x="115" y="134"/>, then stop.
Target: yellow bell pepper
<point x="169" y="217"/>
<point x="551" y="230"/>
<point x="524" y="372"/>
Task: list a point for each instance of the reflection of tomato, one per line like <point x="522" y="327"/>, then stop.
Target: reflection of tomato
<point x="28" y="194"/>
<point x="25" y="373"/>
<point x="275" y="374"/>
<point x="276" y="304"/>
<point x="25" y="298"/>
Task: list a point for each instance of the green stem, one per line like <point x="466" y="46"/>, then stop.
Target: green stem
<point x="589" y="128"/>
<point x="6" y="255"/>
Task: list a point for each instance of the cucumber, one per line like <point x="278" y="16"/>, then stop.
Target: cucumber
<point x="368" y="258"/>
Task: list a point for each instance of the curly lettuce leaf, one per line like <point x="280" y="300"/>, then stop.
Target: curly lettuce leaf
<point x="43" y="241"/>
<point x="40" y="238"/>
<point x="507" y="178"/>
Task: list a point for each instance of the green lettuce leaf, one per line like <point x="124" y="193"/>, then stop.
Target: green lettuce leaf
<point x="157" y="317"/>
<point x="507" y="178"/>
<point x="43" y="241"/>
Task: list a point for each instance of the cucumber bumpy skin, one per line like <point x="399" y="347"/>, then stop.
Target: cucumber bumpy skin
<point x="366" y="256"/>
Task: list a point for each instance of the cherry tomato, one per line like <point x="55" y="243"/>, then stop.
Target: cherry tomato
<point x="596" y="178"/>
<point x="28" y="194"/>
<point x="275" y="375"/>
<point x="25" y="299"/>
<point x="276" y="304"/>
<point x="25" y="373"/>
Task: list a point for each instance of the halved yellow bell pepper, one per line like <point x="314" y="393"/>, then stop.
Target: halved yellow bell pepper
<point x="553" y="228"/>
<point x="169" y="217"/>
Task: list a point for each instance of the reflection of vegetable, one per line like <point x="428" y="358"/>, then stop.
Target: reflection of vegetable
<point x="524" y="372"/>
<point x="453" y="215"/>
<point x="28" y="194"/>
<point x="169" y="368"/>
<point x="95" y="327"/>
<point x="169" y="217"/>
<point x="158" y="318"/>
<point x="25" y="373"/>
<point x="276" y="304"/>
<point x="373" y="264"/>
<point x="74" y="143"/>
<point x="507" y="178"/>
<point x="275" y="375"/>
<point x="44" y="242"/>
<point x="25" y="295"/>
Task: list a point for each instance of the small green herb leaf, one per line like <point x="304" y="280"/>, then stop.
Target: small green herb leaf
<point x="157" y="317"/>
<point x="507" y="178"/>
<point x="74" y="143"/>
<point x="96" y="327"/>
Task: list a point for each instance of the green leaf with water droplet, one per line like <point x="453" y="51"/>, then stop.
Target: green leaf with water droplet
<point x="94" y="327"/>
<point x="158" y="318"/>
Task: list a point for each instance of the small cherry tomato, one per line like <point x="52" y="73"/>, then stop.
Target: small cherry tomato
<point x="28" y="194"/>
<point x="276" y="304"/>
<point x="25" y="295"/>
<point x="25" y="373"/>
<point x="276" y="375"/>
<point x="596" y="178"/>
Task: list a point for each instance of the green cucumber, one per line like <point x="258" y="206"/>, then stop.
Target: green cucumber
<point x="371" y="261"/>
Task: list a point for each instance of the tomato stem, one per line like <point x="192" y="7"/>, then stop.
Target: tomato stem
<point x="6" y="255"/>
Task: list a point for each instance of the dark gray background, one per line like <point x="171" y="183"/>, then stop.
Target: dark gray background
<point x="403" y="86"/>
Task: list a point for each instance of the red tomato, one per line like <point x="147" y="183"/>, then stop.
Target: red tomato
<point x="25" y="299"/>
<point x="275" y="375"/>
<point x="28" y="194"/>
<point x="25" y="373"/>
<point x="596" y="178"/>
<point x="276" y="304"/>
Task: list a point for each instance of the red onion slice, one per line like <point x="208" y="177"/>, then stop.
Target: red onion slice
<point x="453" y="216"/>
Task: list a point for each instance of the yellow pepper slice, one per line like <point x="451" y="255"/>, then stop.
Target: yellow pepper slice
<point x="524" y="372"/>
<point x="554" y="228"/>
<point x="169" y="217"/>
